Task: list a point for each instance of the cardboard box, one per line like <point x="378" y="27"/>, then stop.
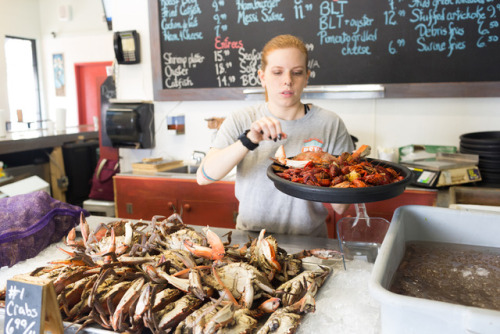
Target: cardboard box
<point x="404" y="314"/>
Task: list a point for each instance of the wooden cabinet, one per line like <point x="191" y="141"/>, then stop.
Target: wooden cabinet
<point x="143" y="197"/>
<point x="384" y="209"/>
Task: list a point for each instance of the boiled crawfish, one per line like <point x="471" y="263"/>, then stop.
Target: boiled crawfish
<point x="325" y="170"/>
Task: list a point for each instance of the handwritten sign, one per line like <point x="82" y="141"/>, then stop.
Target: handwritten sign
<point x="216" y="44"/>
<point x="31" y="306"/>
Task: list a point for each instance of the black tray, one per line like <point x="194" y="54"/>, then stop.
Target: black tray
<point x="344" y="195"/>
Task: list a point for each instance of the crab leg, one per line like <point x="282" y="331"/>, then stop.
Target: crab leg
<point x="268" y="251"/>
<point x="226" y="290"/>
<point x="84" y="228"/>
<point x="215" y="252"/>
<point x="123" y="306"/>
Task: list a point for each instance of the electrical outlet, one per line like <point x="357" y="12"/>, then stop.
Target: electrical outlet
<point x="63" y="182"/>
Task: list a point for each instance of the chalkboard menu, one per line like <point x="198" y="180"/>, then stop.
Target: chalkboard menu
<point x="203" y="44"/>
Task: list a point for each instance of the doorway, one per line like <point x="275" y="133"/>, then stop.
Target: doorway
<point x="89" y="78"/>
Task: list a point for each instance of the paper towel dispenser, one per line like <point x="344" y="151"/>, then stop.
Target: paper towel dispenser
<point x="130" y="124"/>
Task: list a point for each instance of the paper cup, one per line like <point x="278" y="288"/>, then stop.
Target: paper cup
<point x="50" y="127"/>
<point x="60" y="119"/>
<point x="3" y="130"/>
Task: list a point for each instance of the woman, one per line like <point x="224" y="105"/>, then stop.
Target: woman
<point x="248" y="138"/>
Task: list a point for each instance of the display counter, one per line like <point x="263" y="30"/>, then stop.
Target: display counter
<point x="343" y="303"/>
<point x="19" y="141"/>
<point x="21" y="149"/>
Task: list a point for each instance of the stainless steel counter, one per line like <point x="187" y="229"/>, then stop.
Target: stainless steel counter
<point x="338" y="296"/>
<point x="20" y="141"/>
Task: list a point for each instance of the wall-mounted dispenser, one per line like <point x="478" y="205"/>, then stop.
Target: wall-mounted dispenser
<point x="130" y="124"/>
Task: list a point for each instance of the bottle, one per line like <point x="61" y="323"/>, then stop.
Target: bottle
<point x="2" y="173"/>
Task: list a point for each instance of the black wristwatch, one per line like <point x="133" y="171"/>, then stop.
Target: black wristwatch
<point x="247" y="142"/>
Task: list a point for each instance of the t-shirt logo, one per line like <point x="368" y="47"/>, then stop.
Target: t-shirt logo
<point x="312" y="145"/>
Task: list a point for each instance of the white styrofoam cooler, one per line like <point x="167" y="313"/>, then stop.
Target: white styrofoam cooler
<point x="25" y="186"/>
<point x="404" y="314"/>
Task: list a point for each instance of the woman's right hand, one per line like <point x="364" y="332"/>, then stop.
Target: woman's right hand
<point x="266" y="128"/>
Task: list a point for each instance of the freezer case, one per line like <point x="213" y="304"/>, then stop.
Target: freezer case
<point x="404" y="314"/>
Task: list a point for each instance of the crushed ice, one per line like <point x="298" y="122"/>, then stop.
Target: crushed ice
<point x="344" y="303"/>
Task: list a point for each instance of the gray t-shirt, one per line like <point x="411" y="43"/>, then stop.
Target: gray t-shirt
<point x="262" y="206"/>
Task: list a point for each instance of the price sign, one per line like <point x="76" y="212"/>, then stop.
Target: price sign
<point x="31" y="306"/>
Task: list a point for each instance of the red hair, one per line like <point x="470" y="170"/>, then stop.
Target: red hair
<point x="283" y="42"/>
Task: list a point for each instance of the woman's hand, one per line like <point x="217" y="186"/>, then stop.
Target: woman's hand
<point x="266" y="128"/>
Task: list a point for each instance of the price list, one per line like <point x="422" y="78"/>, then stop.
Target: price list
<point x="217" y="43"/>
<point x="22" y="309"/>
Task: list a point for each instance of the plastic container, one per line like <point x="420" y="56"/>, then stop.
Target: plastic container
<point x="403" y="314"/>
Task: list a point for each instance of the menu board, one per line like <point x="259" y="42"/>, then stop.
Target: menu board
<point x="217" y="43"/>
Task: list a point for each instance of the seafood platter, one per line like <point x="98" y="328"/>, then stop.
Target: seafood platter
<point x="347" y="178"/>
<point x="162" y="276"/>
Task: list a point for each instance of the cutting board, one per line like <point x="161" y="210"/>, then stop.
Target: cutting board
<point x="154" y="165"/>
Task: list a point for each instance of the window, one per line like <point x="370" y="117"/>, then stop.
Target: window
<point x="22" y="83"/>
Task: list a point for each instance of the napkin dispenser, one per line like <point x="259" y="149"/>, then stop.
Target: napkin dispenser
<point x="130" y="124"/>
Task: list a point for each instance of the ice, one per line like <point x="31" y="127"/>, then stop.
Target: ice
<point x="344" y="304"/>
<point x="51" y="253"/>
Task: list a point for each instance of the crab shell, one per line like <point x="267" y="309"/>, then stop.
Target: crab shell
<point x="244" y="281"/>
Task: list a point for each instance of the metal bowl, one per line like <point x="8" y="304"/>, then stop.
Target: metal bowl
<point x="344" y="195"/>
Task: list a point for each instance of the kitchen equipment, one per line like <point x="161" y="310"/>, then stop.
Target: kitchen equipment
<point x="130" y="124"/>
<point x="360" y="235"/>
<point x="487" y="146"/>
<point x="404" y="314"/>
<point x="445" y="169"/>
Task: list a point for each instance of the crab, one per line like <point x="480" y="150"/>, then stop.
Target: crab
<point x="239" y="282"/>
<point x="306" y="282"/>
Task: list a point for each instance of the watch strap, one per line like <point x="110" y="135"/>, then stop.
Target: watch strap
<point x="247" y="142"/>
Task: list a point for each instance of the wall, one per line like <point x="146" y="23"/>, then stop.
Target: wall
<point x="82" y="38"/>
<point x="19" y="18"/>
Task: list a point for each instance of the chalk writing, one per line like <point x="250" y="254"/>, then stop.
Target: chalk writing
<point x="21" y="311"/>
<point x="175" y="29"/>
<point x="354" y="38"/>
<point x="258" y="11"/>
<point x="176" y="69"/>
<point x="217" y="43"/>
<point x="249" y="63"/>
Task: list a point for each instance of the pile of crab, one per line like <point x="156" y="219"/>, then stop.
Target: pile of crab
<point x="325" y="170"/>
<point x="164" y="277"/>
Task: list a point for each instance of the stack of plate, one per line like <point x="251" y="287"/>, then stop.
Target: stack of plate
<point x="487" y="146"/>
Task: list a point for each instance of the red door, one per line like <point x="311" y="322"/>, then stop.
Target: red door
<point x="89" y="78"/>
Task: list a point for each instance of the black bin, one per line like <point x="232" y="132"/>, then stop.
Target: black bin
<point x="80" y="161"/>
